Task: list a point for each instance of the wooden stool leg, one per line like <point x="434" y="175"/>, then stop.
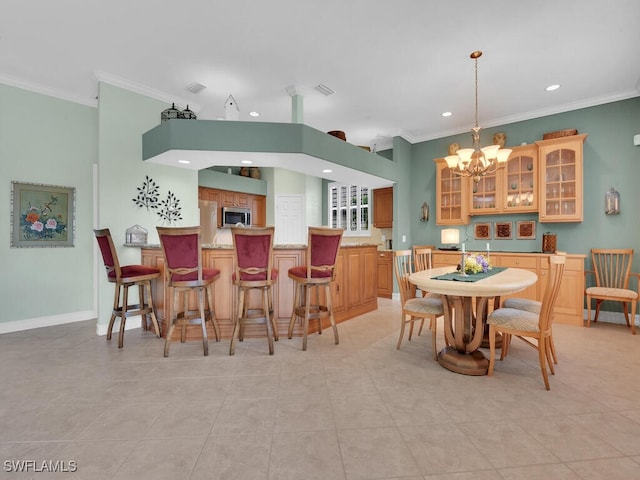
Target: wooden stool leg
<point x="331" y="317"/>
<point x="114" y="312"/>
<point x="212" y="313"/>
<point x="123" y="317"/>
<point x="236" y="326"/>
<point x="271" y="318"/>
<point x="267" y="320"/>
<point x="296" y="304"/>
<point x="307" y="307"/>
<point x="143" y="315"/>
<point x="172" y="322"/>
<point x="203" y="323"/>
<point x="152" y="312"/>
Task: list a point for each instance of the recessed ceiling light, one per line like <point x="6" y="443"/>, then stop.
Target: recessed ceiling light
<point x="247" y="162"/>
<point x="195" y="87"/>
<point x="254" y="114"/>
<point x="184" y="162"/>
<point x="446" y="114"/>
<point x="327" y="170"/>
<point x="553" y="87"/>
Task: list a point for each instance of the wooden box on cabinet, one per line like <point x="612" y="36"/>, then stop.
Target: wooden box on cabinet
<point x="385" y="274"/>
<point x="451" y="196"/>
<point x="383" y="207"/>
<point x="560" y="179"/>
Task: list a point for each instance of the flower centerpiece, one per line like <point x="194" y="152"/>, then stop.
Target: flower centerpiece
<point x="476" y="263"/>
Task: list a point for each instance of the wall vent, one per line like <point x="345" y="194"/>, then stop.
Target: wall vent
<point x="323" y="89"/>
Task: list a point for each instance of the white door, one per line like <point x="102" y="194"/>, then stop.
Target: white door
<point x="291" y="225"/>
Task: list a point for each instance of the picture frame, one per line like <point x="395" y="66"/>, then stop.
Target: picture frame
<point x="526" y="230"/>
<point x="502" y="231"/>
<point x="42" y="215"/>
<point x="482" y="231"/>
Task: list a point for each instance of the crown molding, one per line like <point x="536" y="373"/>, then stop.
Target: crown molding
<point x="136" y="87"/>
<point x="46" y="90"/>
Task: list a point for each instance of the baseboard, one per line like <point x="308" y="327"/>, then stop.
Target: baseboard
<point x="610" y="317"/>
<point x="132" y="323"/>
<point x="31" y="323"/>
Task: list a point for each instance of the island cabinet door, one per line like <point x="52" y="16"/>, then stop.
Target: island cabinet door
<point x="223" y="291"/>
<point x="284" y="289"/>
<point x="339" y="284"/>
<point x="369" y="274"/>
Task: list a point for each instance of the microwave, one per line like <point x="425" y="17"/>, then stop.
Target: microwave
<point x="231" y="216"/>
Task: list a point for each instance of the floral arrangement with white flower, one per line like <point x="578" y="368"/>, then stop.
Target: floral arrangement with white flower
<point x="476" y="263"/>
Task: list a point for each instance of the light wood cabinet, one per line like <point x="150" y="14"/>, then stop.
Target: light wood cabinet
<point x="569" y="307"/>
<point x="451" y="196"/>
<point x="227" y="198"/>
<point x="560" y="179"/>
<point x="510" y="189"/>
<point x="383" y="207"/>
<point x="385" y="274"/>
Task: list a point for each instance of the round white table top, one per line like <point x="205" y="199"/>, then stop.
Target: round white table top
<point x="508" y="281"/>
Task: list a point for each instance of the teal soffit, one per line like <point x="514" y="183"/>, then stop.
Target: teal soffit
<point x="292" y="146"/>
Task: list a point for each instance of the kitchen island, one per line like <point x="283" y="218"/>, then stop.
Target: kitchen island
<point x="354" y="291"/>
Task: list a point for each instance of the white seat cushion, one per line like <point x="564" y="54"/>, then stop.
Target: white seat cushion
<point x="515" y="319"/>
<point x="612" y="292"/>
<point x="532" y="306"/>
<point x="431" y="304"/>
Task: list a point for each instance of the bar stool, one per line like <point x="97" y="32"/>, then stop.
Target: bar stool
<point x="253" y="252"/>
<point x="182" y="250"/>
<point x="320" y="270"/>
<point x="125" y="277"/>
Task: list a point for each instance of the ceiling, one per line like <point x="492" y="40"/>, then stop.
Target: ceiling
<point x="394" y="66"/>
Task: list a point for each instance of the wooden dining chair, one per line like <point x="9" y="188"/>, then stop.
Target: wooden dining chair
<point x="319" y="272"/>
<point x="415" y="308"/>
<point x="532" y="328"/>
<point x="126" y="276"/>
<point x="612" y="271"/>
<point x="182" y="250"/>
<point x="422" y="261"/>
<point x="533" y="306"/>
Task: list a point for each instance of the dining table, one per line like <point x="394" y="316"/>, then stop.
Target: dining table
<point x="465" y="300"/>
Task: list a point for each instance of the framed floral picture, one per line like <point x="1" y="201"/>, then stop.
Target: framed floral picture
<point x="526" y="230"/>
<point x="42" y="215"/>
<point x="502" y="231"/>
<point x="482" y="231"/>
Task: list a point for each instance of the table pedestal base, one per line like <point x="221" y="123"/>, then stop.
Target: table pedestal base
<point x="473" y="363"/>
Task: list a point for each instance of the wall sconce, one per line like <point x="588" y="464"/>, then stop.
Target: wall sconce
<point x="449" y="237"/>
<point x="425" y="212"/>
<point x="612" y="202"/>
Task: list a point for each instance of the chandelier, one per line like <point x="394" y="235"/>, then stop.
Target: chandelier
<point x="476" y="162"/>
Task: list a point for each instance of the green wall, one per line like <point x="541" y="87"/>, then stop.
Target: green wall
<point x="123" y="117"/>
<point x="610" y="160"/>
<point x="48" y="141"/>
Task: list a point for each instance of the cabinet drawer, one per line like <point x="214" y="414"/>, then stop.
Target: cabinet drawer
<point x="519" y="262"/>
<point x="385" y="255"/>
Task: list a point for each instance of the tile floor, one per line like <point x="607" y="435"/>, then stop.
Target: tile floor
<point x="358" y="410"/>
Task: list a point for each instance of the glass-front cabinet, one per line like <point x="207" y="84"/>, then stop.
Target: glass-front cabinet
<point x="521" y="176"/>
<point x="511" y="188"/>
<point x="451" y="199"/>
<point x="349" y="209"/>
<point x="561" y="179"/>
